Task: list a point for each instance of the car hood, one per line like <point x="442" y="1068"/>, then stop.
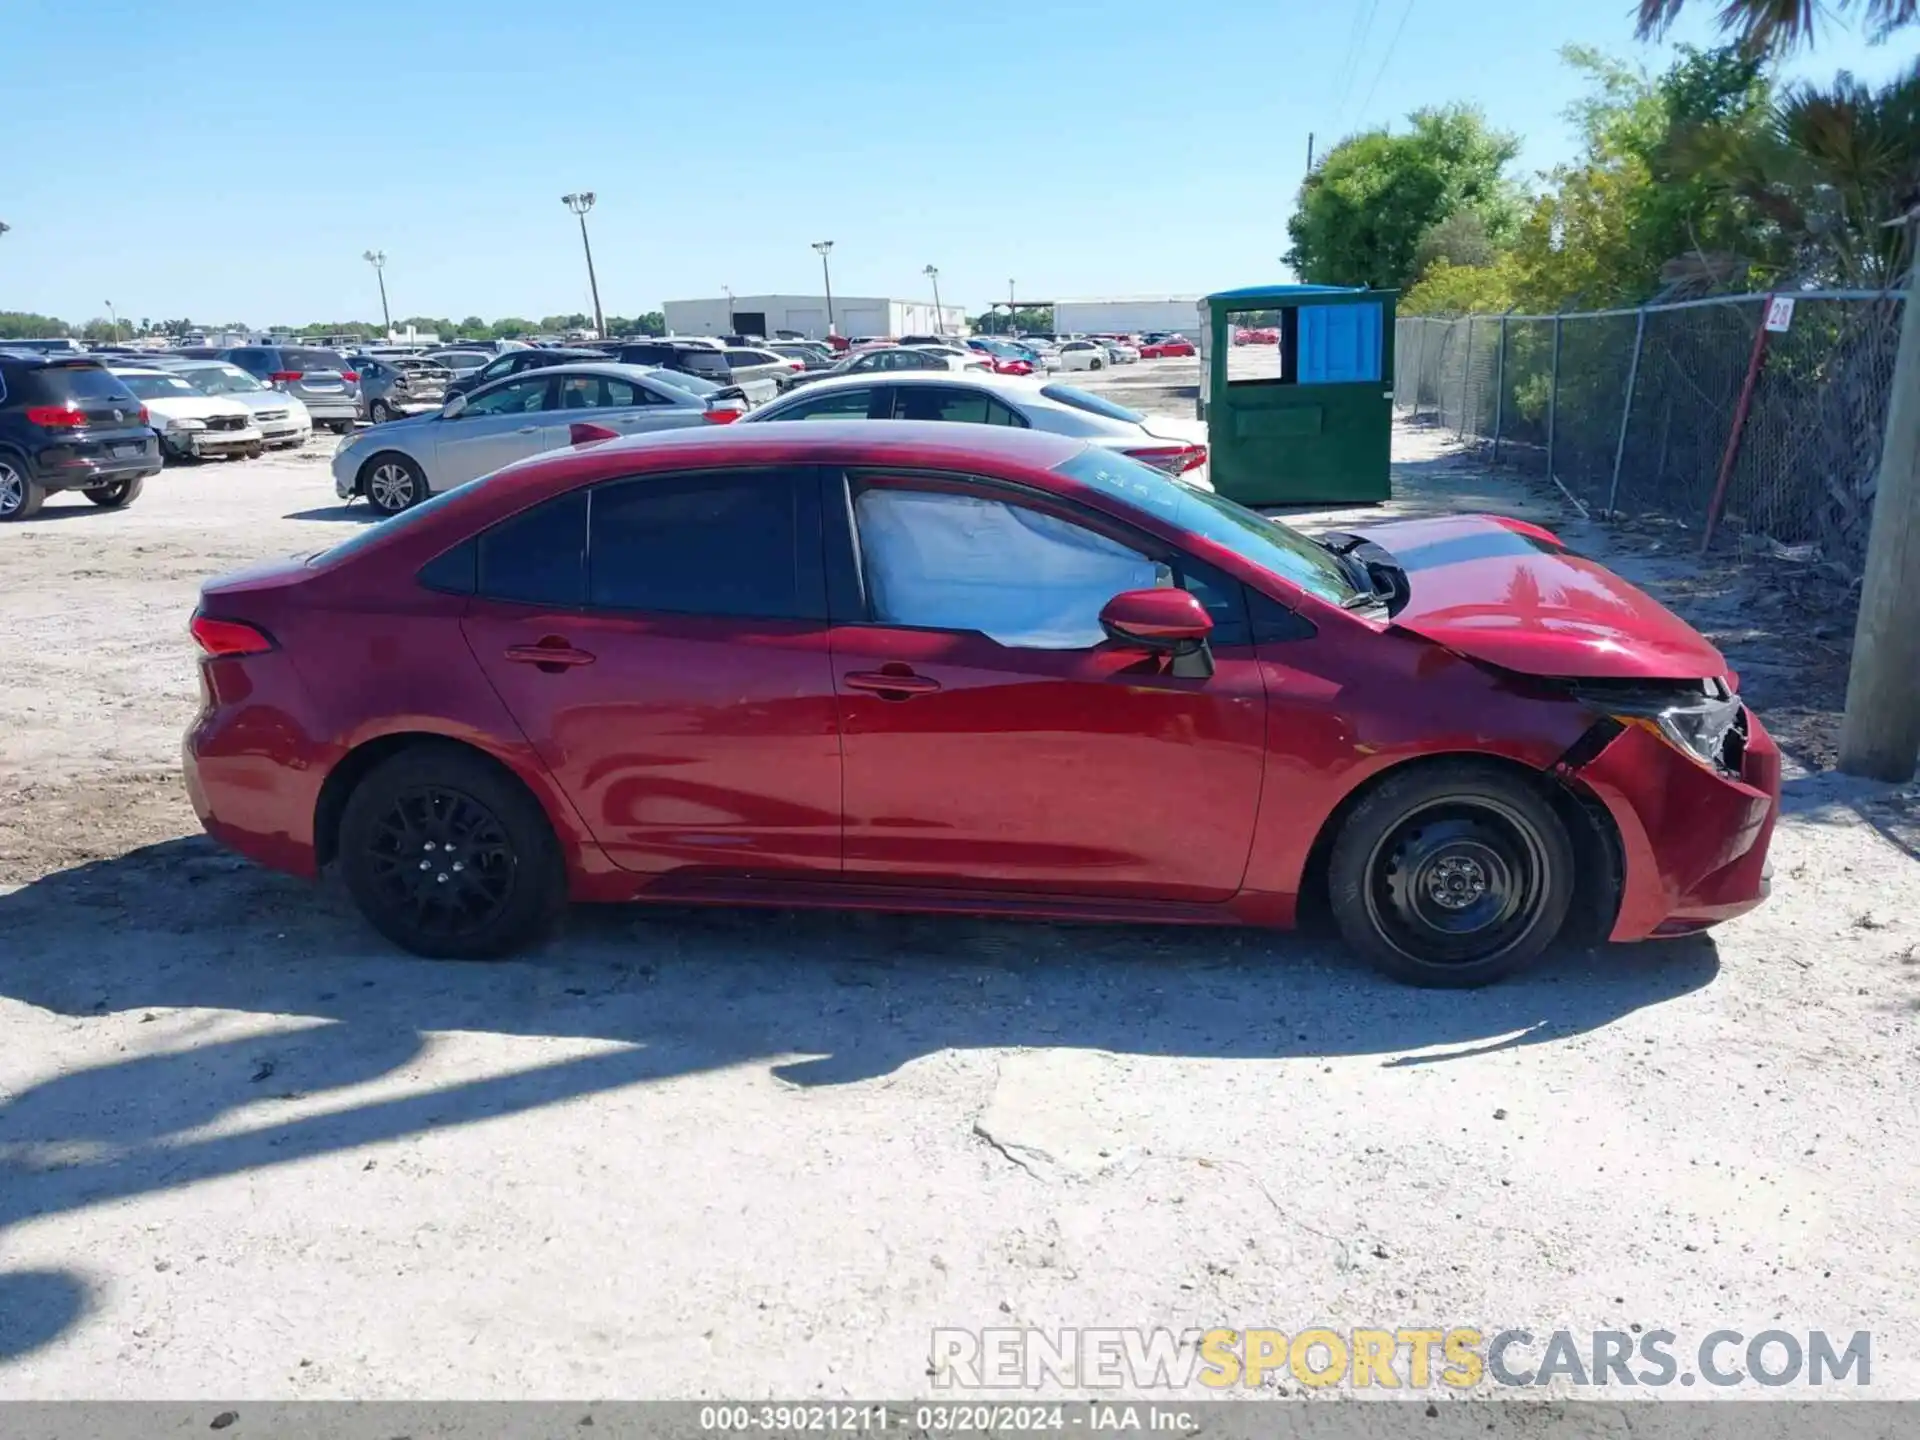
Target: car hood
<point x="1513" y="595"/>
<point x="196" y="407"/>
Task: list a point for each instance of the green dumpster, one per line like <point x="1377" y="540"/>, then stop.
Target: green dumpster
<point x="1293" y="391"/>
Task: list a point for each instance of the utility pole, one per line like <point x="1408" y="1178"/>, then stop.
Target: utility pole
<point x="580" y="202"/>
<point x="1309" y="152"/>
<point x="823" y="248"/>
<point x="932" y="272"/>
<point x="1010" y="307"/>
<point x="1880" y="733"/>
<point x="378" y="259"/>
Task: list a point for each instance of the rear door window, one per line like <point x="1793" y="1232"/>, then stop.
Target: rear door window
<point x="539" y="557"/>
<point x="711" y="544"/>
<point x="851" y="404"/>
<point x="939" y="402"/>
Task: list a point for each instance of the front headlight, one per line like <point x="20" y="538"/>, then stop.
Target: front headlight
<point x="179" y="425"/>
<point x="1697" y="718"/>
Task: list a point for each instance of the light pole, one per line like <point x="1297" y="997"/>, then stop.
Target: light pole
<point x="1010" y="307"/>
<point x="378" y="259"/>
<point x="113" y="318"/>
<point x="580" y="202"/>
<point x="822" y="248"/>
<point x="932" y="272"/>
<point x="727" y="290"/>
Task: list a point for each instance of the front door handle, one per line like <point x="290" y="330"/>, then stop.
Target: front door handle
<point x="528" y="429"/>
<point x="553" y="654"/>
<point x="891" y="684"/>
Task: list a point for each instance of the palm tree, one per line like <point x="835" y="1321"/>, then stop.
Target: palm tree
<point x="1779" y="25"/>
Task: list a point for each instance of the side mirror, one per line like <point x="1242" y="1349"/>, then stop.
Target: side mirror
<point x="454" y="408"/>
<point x="583" y="432"/>
<point x="1167" y="621"/>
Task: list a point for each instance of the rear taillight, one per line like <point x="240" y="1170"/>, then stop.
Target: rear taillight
<point x="352" y="377"/>
<point x="224" y="639"/>
<point x="56" y="417"/>
<point x="145" y="419"/>
<point x="282" y="376"/>
<point x="1173" y="459"/>
<point x="720" y="417"/>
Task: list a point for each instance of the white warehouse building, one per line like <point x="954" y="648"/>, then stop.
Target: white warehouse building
<point x="806" y="315"/>
<point x="1176" y="314"/>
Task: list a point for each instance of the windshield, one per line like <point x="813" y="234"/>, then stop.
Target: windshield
<point x="293" y="357"/>
<point x="1267" y="543"/>
<point x="158" y="387"/>
<point x="222" y="380"/>
<point x="1094" y="404"/>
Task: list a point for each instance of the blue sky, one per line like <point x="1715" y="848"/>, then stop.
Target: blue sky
<point x="223" y="159"/>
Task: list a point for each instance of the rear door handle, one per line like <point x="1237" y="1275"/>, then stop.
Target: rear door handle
<point x="885" y="682"/>
<point x="552" y="655"/>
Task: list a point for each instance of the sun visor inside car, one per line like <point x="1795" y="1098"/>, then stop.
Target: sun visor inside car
<point x="960" y="562"/>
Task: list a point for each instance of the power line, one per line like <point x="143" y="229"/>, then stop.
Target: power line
<point x="1356" y="47"/>
<point x="1386" y="58"/>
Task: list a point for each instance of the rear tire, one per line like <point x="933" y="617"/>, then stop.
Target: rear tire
<point x="1454" y="874"/>
<point x="21" y="496"/>
<point x="392" y="483"/>
<point x="118" y="495"/>
<point x="450" y="857"/>
<point x="1095" y="365"/>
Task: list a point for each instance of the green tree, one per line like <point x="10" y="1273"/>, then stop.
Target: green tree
<point x="100" y="328"/>
<point x="512" y="327"/>
<point x="1362" y="211"/>
<point x="1775" y="26"/>
<point x="1450" y="289"/>
<point x="1459" y="240"/>
<point x="473" y="327"/>
<point x="25" y="325"/>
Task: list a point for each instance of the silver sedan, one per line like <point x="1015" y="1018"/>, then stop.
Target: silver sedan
<point x="402" y="462"/>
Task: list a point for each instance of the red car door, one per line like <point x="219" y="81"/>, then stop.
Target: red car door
<point x="992" y="737"/>
<point x="662" y="642"/>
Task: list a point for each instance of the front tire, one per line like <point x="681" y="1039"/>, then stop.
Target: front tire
<point x="118" y="495"/>
<point x="379" y="412"/>
<point x="450" y="857"/>
<point x="1095" y="365"/>
<point x="1452" y="875"/>
<point x="392" y="483"/>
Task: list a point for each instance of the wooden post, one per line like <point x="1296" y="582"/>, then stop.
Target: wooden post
<point x="1626" y="407"/>
<point x="1553" y="395"/>
<point x="1499" y="388"/>
<point x="1880" y="733"/>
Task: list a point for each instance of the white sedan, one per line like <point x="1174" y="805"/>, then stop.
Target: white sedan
<point x="1178" y="447"/>
<point x="1084" y="355"/>
<point x="192" y="426"/>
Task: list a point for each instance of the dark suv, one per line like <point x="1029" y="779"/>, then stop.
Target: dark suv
<point x="67" y="424"/>
<point x="516" y="362"/>
<point x="701" y="360"/>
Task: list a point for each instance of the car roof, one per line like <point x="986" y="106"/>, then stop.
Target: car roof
<point x="615" y="368"/>
<point x="1024" y="386"/>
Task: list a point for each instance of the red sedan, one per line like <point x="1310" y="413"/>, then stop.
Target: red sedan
<point x="1167" y="349"/>
<point x="950" y="667"/>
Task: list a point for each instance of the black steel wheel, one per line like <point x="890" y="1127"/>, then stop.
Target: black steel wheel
<point x="1453" y="874"/>
<point x="449" y="856"/>
<point x="117" y="495"/>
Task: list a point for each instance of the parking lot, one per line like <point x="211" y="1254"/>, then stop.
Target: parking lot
<point x="248" y="1148"/>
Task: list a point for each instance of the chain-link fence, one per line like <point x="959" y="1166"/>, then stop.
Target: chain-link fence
<point x="1694" y="412"/>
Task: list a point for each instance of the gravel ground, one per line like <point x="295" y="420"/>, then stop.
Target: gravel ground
<point x="247" y="1150"/>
